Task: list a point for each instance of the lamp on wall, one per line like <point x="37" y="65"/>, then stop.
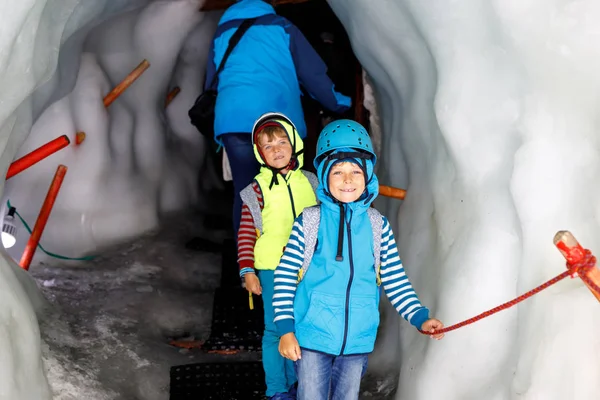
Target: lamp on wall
<point x="9" y="229"/>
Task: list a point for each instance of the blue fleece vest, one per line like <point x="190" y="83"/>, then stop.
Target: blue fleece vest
<point x="343" y="296"/>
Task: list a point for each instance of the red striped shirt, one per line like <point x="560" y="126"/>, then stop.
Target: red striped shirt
<point x="247" y="234"/>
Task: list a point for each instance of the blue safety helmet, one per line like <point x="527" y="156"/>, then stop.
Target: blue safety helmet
<point x="344" y="133"/>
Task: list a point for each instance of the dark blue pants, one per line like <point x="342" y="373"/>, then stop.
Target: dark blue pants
<point x="244" y="168"/>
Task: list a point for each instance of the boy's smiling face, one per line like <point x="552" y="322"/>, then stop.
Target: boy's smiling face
<point x="346" y="182"/>
<point x="277" y="150"/>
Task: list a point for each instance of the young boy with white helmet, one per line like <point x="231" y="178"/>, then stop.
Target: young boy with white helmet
<point x="270" y="204"/>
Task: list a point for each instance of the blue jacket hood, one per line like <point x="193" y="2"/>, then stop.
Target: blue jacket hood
<point x="244" y="9"/>
<point x="371" y="185"/>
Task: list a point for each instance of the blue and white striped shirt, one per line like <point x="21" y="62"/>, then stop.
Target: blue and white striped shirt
<point x="395" y="282"/>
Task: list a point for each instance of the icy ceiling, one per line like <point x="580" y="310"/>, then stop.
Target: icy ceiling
<point x="489" y="117"/>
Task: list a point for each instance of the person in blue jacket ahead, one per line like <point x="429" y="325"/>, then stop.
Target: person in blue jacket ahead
<point x="263" y="74"/>
<point x="328" y="321"/>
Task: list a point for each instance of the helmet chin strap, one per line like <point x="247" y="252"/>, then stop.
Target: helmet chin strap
<point x="332" y="158"/>
<point x="293" y="159"/>
<point x="275" y="171"/>
<point x="345" y="155"/>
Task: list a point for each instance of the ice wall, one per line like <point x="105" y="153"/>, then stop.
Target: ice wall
<point x="488" y="118"/>
<point x="489" y="115"/>
<point x="138" y="159"/>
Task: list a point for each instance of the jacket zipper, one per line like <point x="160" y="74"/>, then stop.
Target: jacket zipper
<point x="291" y="200"/>
<point x="348" y="229"/>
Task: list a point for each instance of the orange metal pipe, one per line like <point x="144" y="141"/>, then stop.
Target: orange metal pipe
<point x="393" y="192"/>
<point x="37" y="155"/>
<point x="128" y="81"/>
<point x="172" y="94"/>
<point x="40" y="224"/>
<point x="574" y="253"/>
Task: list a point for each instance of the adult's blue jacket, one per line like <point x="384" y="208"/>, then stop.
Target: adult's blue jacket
<point x="265" y="70"/>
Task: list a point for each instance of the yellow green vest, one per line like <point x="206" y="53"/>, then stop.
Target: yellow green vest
<point x="282" y="204"/>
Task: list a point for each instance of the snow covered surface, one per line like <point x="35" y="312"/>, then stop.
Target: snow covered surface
<point x="488" y="114"/>
<point x="106" y="335"/>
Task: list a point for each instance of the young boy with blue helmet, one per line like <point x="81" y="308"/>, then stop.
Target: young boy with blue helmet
<point x="326" y="294"/>
<point x="271" y="203"/>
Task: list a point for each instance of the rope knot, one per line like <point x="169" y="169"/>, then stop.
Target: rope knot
<point x="579" y="268"/>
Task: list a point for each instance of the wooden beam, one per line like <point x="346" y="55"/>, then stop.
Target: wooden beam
<point x="212" y="5"/>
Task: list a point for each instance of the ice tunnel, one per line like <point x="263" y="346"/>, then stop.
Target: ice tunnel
<point x="484" y="111"/>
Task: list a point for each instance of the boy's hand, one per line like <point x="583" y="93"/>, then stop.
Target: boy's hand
<point x="252" y="283"/>
<point x="431" y="325"/>
<point x="289" y="347"/>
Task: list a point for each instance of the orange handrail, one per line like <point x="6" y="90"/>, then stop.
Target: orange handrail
<point x="37" y="155"/>
<point x="125" y="83"/>
<point x="393" y="192"/>
<point x="172" y="94"/>
<point x="40" y="223"/>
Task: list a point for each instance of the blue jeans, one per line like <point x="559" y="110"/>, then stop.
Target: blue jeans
<point x="323" y="376"/>
<point x="244" y="168"/>
<point x="279" y="372"/>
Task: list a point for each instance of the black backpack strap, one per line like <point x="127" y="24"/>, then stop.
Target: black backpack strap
<point x="233" y="41"/>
